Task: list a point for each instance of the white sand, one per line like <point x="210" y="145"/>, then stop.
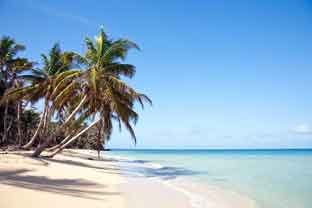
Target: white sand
<point x="149" y="193"/>
<point x="72" y="180"/>
<point x="65" y="181"/>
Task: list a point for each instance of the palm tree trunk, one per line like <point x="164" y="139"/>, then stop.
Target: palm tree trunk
<point x="18" y="111"/>
<point x="75" y="111"/>
<point x="60" y="144"/>
<point x="66" y="121"/>
<point x="19" y="131"/>
<point x="73" y="139"/>
<point x="99" y="136"/>
<point x="41" y="147"/>
<point x="5" y="117"/>
<point x="46" y="119"/>
<point x="32" y="140"/>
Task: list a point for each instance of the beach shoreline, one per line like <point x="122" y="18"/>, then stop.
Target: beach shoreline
<point x="165" y="181"/>
<point x="76" y="178"/>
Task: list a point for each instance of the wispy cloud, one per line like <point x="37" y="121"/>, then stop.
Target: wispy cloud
<point x="48" y="10"/>
<point x="302" y="129"/>
<point x="56" y="13"/>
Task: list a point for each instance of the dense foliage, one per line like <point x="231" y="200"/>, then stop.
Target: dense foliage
<point x="82" y="96"/>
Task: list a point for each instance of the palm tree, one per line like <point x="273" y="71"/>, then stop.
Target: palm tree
<point x="44" y="84"/>
<point x="104" y="96"/>
<point x="18" y="66"/>
<point x="10" y="67"/>
<point x="95" y="96"/>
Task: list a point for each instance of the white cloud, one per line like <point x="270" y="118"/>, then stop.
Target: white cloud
<point x="302" y="129"/>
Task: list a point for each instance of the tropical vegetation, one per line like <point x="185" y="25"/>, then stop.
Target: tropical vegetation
<point x="83" y="96"/>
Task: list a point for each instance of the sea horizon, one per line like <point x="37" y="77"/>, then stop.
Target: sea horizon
<point x="212" y="149"/>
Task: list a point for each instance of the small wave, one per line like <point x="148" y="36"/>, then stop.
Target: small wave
<point x="155" y="165"/>
<point x="208" y="196"/>
<point x="200" y="195"/>
<point x="196" y="200"/>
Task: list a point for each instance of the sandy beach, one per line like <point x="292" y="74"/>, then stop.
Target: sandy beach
<point x="76" y="178"/>
<point x="68" y="180"/>
<point x="72" y="179"/>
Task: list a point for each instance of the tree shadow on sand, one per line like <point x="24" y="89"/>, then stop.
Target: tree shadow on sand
<point x="133" y="168"/>
<point x="82" y="164"/>
<point x="70" y="187"/>
<point x="87" y="156"/>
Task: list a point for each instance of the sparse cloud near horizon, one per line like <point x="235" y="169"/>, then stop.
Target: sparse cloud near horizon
<point x="302" y="129"/>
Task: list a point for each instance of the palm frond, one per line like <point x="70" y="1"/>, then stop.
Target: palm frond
<point x="117" y="69"/>
<point x="119" y="49"/>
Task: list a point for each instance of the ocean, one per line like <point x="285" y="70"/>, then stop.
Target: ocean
<point x="271" y="178"/>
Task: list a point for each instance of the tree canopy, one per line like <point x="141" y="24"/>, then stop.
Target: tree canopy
<point x="84" y="95"/>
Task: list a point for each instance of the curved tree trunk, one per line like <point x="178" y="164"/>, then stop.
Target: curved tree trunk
<point x="33" y="139"/>
<point x="73" y="139"/>
<point x="46" y="120"/>
<point x="66" y="121"/>
<point x="60" y="144"/>
<point x="75" y="111"/>
<point x="42" y="147"/>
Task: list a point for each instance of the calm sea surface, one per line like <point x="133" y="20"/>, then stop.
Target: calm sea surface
<point x="273" y="178"/>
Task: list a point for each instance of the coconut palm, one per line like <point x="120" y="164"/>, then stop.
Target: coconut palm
<point x="10" y="67"/>
<point x="94" y="96"/>
<point x="54" y="74"/>
<point x="103" y="94"/>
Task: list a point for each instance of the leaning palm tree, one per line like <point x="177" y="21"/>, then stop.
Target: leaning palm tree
<point x="10" y="67"/>
<point x="96" y="95"/>
<point x="55" y="71"/>
<point x="102" y="93"/>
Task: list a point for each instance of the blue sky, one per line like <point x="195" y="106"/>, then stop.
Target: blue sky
<point x="222" y="74"/>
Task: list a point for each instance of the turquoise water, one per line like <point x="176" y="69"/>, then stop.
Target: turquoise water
<point x="273" y="178"/>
